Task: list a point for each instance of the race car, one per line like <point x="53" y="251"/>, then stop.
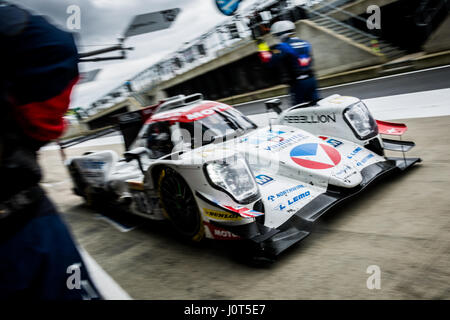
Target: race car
<point x="213" y="173"/>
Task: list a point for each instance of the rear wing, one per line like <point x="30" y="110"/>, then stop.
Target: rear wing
<point x="179" y="101"/>
<point x="130" y="123"/>
<point x="63" y="144"/>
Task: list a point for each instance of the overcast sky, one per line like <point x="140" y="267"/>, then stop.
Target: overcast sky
<point x="103" y="21"/>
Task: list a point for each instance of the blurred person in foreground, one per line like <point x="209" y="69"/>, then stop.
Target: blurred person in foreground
<point x="296" y="56"/>
<point x="39" y="63"/>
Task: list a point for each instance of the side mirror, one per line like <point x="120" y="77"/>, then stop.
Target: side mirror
<point x="274" y="105"/>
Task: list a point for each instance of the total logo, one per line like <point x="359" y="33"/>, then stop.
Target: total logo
<point x="315" y="156"/>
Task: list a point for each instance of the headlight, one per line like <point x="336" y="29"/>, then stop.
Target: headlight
<point x="233" y="176"/>
<point x="361" y="121"/>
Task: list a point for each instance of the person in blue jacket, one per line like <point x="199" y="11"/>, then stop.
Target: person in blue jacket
<point x="39" y="67"/>
<point x="295" y="54"/>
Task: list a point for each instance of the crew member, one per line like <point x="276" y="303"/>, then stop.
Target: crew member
<point x="38" y="258"/>
<point x="295" y="55"/>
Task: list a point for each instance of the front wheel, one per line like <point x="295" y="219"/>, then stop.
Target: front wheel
<point x="78" y="181"/>
<point x="179" y="205"/>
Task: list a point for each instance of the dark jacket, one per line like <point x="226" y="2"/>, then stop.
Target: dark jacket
<point x="39" y="67"/>
<point x="295" y="55"/>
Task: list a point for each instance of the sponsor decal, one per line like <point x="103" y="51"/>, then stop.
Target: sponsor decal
<point x="224" y="234"/>
<point x="236" y="211"/>
<point x="271" y="136"/>
<point x="284" y="192"/>
<point x="205" y="112"/>
<point x="286" y="142"/>
<point x="363" y="161"/>
<point x="220" y="233"/>
<point x="299" y="197"/>
<point x="196" y="113"/>
<point x="335" y="143"/>
<point x="354" y="153"/>
<point x="92" y="165"/>
<point x="322" y="118"/>
<point x="315" y="156"/>
<point x="221" y="215"/>
<point x="391" y="128"/>
<point x="304" y="61"/>
<point x="262" y="179"/>
<point x="393" y="131"/>
<point x="93" y="175"/>
<point x="295" y="199"/>
<point x="276" y="139"/>
<point x="345" y="172"/>
<point x="299" y="44"/>
<point x="244" y="212"/>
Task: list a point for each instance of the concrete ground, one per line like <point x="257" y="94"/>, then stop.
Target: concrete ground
<point x="401" y="225"/>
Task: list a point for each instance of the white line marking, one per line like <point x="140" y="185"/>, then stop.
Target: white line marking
<point x="434" y="103"/>
<point x="55" y="184"/>
<point x="349" y="83"/>
<point x="117" y="139"/>
<point x="115" y="224"/>
<point x="109" y="289"/>
<point x="385" y="77"/>
<point x="424" y="104"/>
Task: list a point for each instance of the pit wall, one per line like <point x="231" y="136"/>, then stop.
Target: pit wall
<point x="240" y="71"/>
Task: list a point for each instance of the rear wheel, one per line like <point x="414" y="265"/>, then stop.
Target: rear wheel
<point x="179" y="205"/>
<point x="79" y="184"/>
<point x="81" y="188"/>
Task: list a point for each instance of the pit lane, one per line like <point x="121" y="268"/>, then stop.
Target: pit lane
<point x="401" y="225"/>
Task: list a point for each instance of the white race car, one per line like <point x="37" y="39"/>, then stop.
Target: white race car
<point x="213" y="173"/>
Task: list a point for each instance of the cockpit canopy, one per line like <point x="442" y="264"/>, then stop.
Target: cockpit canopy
<point x="192" y="127"/>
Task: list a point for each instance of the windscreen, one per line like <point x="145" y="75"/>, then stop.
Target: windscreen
<point x="225" y="124"/>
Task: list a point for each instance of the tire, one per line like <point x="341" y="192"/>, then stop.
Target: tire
<point x="79" y="184"/>
<point x="81" y="188"/>
<point x="179" y="205"/>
